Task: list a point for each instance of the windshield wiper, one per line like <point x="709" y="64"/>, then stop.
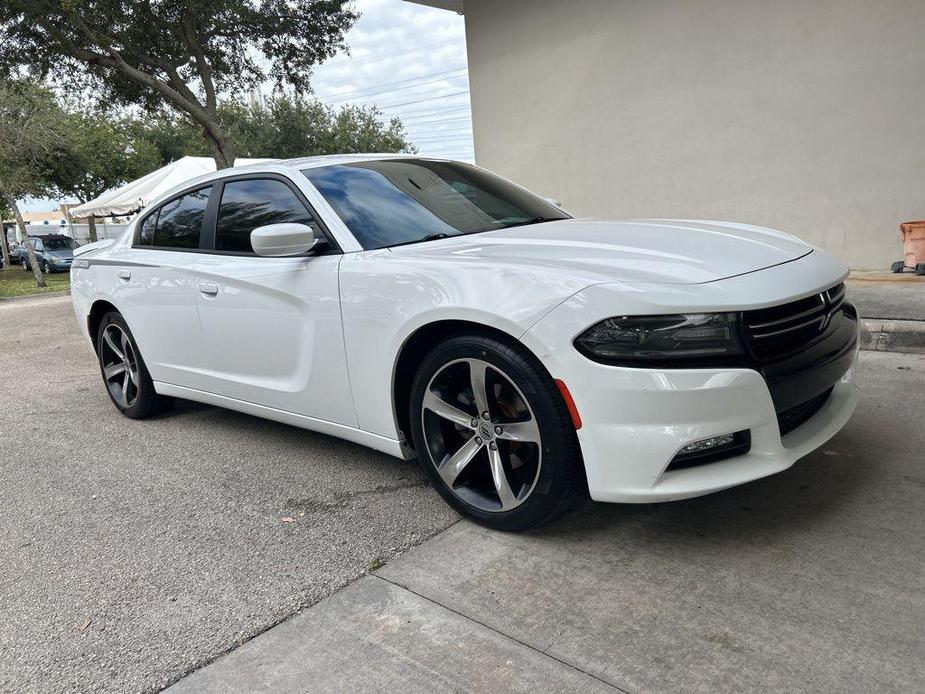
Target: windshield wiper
<point x="532" y="220"/>
<point x="429" y="237"/>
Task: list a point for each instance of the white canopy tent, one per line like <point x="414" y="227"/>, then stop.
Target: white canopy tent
<point x="134" y="195"/>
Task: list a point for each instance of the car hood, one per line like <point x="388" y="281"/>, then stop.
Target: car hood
<point x="60" y="255"/>
<point x="637" y="250"/>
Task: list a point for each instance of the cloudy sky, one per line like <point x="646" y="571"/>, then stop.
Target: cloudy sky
<point x="410" y="61"/>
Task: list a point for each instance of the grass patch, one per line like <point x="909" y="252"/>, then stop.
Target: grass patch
<point x="15" y="282"/>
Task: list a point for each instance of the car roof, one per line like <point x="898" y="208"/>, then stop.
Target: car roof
<point x="273" y="165"/>
<point x="313" y="162"/>
<point x="333" y="159"/>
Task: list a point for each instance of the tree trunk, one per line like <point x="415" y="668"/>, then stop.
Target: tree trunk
<point x="3" y="245"/>
<point x="91" y="224"/>
<point x="222" y="147"/>
<point x="30" y="251"/>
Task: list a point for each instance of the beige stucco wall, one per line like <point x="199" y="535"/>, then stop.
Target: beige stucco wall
<point x="804" y="115"/>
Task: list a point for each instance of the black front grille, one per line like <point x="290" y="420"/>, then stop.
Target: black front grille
<point x="790" y="419"/>
<point x="773" y="333"/>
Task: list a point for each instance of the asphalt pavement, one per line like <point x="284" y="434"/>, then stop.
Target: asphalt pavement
<point x="133" y="552"/>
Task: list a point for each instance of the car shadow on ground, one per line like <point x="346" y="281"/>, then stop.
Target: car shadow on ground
<point x="286" y="436"/>
<point x="808" y="494"/>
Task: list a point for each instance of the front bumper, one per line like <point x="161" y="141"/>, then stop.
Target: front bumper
<point x="637" y="423"/>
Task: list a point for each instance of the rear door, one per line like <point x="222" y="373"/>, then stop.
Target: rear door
<point x="272" y="326"/>
<point x="156" y="289"/>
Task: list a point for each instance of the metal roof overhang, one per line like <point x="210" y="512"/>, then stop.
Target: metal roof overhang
<point x="453" y="5"/>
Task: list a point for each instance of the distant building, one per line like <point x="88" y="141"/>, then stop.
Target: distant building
<point x="800" y="115"/>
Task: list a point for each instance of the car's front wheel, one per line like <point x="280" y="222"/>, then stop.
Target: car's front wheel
<point x="494" y="434"/>
<point x="124" y="372"/>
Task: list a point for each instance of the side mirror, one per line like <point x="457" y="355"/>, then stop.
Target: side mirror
<point x="552" y="201"/>
<point x="281" y="240"/>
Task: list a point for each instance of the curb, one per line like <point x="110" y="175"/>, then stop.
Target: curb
<point x="881" y="335"/>
<point x="34" y="297"/>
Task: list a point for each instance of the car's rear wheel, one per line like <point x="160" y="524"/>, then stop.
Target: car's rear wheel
<point x="494" y="434"/>
<point x="124" y="372"/>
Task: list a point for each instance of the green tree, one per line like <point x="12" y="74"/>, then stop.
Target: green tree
<point x="174" y="53"/>
<point x="358" y="129"/>
<point x="103" y="152"/>
<point x="172" y="137"/>
<point x="34" y="136"/>
<point x="291" y="126"/>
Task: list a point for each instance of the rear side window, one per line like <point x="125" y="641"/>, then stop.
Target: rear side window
<point x="179" y="221"/>
<point x="249" y="204"/>
<point x="146" y="232"/>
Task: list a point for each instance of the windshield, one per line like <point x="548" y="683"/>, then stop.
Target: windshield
<point x="58" y="244"/>
<point x="398" y="201"/>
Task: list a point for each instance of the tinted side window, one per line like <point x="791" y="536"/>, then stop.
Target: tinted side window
<point x="247" y="205"/>
<point x="180" y="221"/>
<point x="146" y="233"/>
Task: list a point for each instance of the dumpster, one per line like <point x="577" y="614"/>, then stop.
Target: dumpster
<point x="913" y="248"/>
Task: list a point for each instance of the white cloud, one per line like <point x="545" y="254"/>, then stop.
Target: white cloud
<point x="409" y="60"/>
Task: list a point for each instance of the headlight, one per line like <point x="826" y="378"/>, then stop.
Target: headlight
<point x="649" y="338"/>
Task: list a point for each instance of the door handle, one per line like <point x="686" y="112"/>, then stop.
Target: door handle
<point x="125" y="275"/>
<point x="208" y="288"/>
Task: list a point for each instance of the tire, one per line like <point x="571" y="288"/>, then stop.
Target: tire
<point x="920" y="269"/>
<point x="45" y="267"/>
<point x="25" y="266"/>
<point x="129" y="384"/>
<point x="528" y="435"/>
<point x="898" y="266"/>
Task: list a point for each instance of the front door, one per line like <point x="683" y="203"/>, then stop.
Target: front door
<point x="272" y="326"/>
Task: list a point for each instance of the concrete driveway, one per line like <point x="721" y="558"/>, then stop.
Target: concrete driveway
<point x="812" y="580"/>
<point x="132" y="553"/>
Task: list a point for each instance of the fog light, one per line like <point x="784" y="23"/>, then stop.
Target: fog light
<point x="706" y="444"/>
<point x="712" y="449"/>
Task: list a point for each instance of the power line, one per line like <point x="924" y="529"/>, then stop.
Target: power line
<point x="455" y="141"/>
<point x="448" y="147"/>
<point x="369" y="98"/>
<point x="440" y="133"/>
<point x="345" y="96"/>
<point x="383" y="56"/>
<point x="432" y="98"/>
<point x="454" y="148"/>
<point x="436" y="120"/>
<point x="437" y="110"/>
<point x="438" y="128"/>
<point x="405" y="116"/>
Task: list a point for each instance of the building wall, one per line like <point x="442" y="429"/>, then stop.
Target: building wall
<point x="803" y="115"/>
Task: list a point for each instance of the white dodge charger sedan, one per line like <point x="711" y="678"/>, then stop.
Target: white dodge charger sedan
<point x="428" y="308"/>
